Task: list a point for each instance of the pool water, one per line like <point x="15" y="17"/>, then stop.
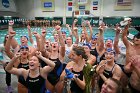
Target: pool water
<point x="109" y="33"/>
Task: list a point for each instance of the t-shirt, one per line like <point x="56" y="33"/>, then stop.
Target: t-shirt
<point x="4" y="55"/>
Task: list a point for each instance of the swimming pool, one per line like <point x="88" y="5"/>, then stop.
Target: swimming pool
<point x="109" y="32"/>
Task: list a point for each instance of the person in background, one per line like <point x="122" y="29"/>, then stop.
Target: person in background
<point x="4" y="62"/>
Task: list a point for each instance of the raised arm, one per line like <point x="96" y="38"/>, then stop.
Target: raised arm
<point x="124" y="35"/>
<point x="42" y="43"/>
<point x="9" y="53"/>
<point x="85" y="31"/>
<point x="101" y="37"/>
<point x="100" y="69"/>
<point x="116" y="40"/>
<point x="30" y="34"/>
<point x="69" y="29"/>
<point x="47" y="61"/>
<point x="9" y="68"/>
<point x="46" y="69"/>
<point x="61" y="41"/>
<point x="117" y="73"/>
<point x="90" y="29"/>
<point x="14" y="43"/>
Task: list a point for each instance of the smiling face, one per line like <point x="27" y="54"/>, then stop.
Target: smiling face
<point x="87" y="49"/>
<point x="24" y="40"/>
<point x="83" y="36"/>
<point x="33" y="63"/>
<point x="74" y="57"/>
<point x="55" y="37"/>
<point x="108" y="43"/>
<point x="94" y="41"/>
<point x="69" y="40"/>
<point x="54" y="46"/>
<point x="109" y="56"/>
<point x="109" y="86"/>
<point x="24" y="50"/>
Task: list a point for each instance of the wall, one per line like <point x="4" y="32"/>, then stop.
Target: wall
<point x="9" y="10"/>
<point x="59" y="9"/>
<point x="32" y="8"/>
<point x="25" y="8"/>
<point x="108" y="9"/>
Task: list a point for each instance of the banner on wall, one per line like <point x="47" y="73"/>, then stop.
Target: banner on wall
<point x="48" y="5"/>
<point x="7" y="5"/>
<point x="78" y="4"/>
<point x="122" y="5"/>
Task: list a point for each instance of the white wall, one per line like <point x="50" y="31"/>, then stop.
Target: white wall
<point x="25" y="8"/>
<point x="108" y="9"/>
<point x="59" y="9"/>
<point x="32" y="8"/>
<point x="9" y="11"/>
<point x="11" y="5"/>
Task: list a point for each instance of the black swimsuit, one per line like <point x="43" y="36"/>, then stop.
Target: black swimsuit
<point x="107" y="74"/>
<point x="35" y="85"/>
<point x="21" y="78"/>
<point x="54" y="76"/>
<point x="74" y="87"/>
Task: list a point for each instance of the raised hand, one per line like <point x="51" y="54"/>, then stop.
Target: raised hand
<point x="38" y="54"/>
<point x="12" y="33"/>
<point x="11" y="23"/>
<point x="100" y="69"/>
<point x="102" y="27"/>
<point x="75" y="20"/>
<point x="117" y="28"/>
<point x="17" y="55"/>
<point x="43" y="32"/>
<point x="67" y="25"/>
<point x="28" y="27"/>
<point x="88" y="22"/>
<point x="36" y="34"/>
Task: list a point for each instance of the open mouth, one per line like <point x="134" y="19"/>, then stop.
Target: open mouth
<point x="31" y="65"/>
<point x="43" y="32"/>
<point x="24" y="53"/>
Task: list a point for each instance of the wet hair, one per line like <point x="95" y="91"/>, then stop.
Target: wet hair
<point x="109" y="38"/>
<point x="94" y="37"/>
<point x="87" y="44"/>
<point x="79" y="50"/>
<point x="24" y="47"/>
<point x="137" y="36"/>
<point x="120" y="88"/>
<point x="25" y="37"/>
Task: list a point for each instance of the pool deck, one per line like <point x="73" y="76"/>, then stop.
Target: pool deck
<point x="3" y="82"/>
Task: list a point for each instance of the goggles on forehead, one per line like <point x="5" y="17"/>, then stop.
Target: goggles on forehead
<point x="24" y="36"/>
<point x="109" y="39"/>
<point x="109" y="50"/>
<point x="24" y="47"/>
<point x="94" y="37"/>
<point x="87" y="44"/>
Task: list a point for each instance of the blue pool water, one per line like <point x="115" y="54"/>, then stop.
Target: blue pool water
<point x="109" y="33"/>
<point x="23" y="31"/>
